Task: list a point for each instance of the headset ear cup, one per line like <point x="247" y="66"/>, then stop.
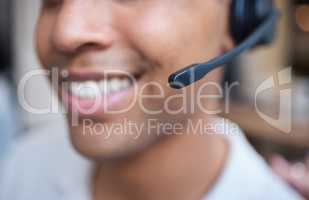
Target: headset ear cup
<point x="237" y="20"/>
<point x="246" y="16"/>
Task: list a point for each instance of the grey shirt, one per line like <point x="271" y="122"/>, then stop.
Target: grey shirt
<point x="46" y="167"/>
<point x="9" y="123"/>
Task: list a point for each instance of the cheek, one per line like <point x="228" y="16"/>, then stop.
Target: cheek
<point x="172" y="42"/>
<point x="154" y="34"/>
<point x="43" y="46"/>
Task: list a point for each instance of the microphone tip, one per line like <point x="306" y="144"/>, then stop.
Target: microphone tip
<point x="175" y="83"/>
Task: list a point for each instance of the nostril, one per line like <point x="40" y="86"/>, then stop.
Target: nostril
<point x="90" y="46"/>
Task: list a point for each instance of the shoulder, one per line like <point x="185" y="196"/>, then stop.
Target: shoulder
<point x="246" y="174"/>
<point x="40" y="167"/>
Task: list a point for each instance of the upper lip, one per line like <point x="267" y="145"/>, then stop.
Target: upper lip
<point x="96" y="74"/>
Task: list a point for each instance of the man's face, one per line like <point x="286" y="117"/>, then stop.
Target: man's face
<point x="103" y="42"/>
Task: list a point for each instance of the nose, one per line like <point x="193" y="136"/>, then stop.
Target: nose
<point x="79" y="26"/>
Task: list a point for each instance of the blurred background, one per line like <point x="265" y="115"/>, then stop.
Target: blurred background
<point x="17" y="57"/>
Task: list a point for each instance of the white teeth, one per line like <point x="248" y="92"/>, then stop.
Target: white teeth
<point x="92" y="89"/>
<point x="125" y="83"/>
<point x="87" y="89"/>
<point x="114" y="85"/>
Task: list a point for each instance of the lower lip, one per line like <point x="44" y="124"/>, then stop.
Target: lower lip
<point x="97" y="107"/>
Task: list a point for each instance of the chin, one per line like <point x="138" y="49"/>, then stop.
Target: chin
<point x="102" y="146"/>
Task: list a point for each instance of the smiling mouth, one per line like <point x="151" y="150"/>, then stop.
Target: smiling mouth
<point x="91" y="93"/>
<point x="90" y="85"/>
<point x="92" y="89"/>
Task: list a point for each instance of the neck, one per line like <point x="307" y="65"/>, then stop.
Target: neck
<point x="177" y="167"/>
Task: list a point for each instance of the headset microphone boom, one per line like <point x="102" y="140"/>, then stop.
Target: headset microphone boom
<point x="253" y="23"/>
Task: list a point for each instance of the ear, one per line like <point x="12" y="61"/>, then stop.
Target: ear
<point x="227" y="40"/>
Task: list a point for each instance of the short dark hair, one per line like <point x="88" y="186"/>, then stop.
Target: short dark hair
<point x="5" y="33"/>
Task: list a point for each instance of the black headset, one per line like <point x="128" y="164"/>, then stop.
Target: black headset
<point x="253" y="23"/>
